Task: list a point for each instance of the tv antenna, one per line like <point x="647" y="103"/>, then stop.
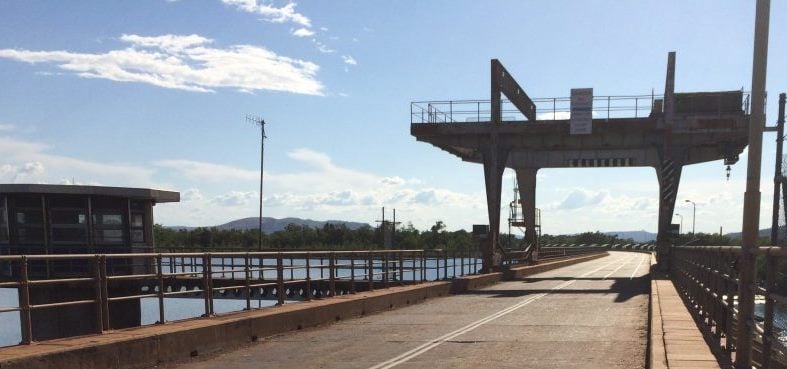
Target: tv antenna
<point x="259" y="122"/>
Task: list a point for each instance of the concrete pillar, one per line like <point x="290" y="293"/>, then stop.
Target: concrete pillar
<point x="669" y="178"/>
<point x="526" y="182"/>
<point x="494" y="165"/>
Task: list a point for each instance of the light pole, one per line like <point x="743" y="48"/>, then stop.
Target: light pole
<point x="680" y="230"/>
<point x="693" y="216"/>
<point x="259" y="122"/>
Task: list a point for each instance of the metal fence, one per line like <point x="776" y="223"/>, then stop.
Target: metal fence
<point x="279" y="276"/>
<point x="707" y="276"/>
<point x="555" y="108"/>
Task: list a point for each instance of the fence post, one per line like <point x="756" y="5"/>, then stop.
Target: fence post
<point x="104" y="292"/>
<point x="386" y="283"/>
<point x="767" y="334"/>
<point x="401" y="268"/>
<point x="24" y="303"/>
<point x="332" y="273"/>
<point x="352" y="273"/>
<point x="247" y="279"/>
<point x="279" y="279"/>
<point x="207" y="292"/>
<point x="370" y="272"/>
<point x="96" y="261"/>
<point x="423" y="265"/>
<point x="160" y="280"/>
<point x="308" y="277"/>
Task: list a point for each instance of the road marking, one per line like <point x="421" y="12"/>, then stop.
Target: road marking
<point x="406" y="356"/>
<point x="638" y="265"/>
<point x="616" y="269"/>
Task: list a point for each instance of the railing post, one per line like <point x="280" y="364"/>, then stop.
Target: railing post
<point x="370" y="272"/>
<point x="207" y="291"/>
<point x="352" y="273"/>
<point x="160" y="293"/>
<point x="608" y="101"/>
<point x="401" y="268"/>
<point x="97" y="289"/>
<point x="308" y="277"/>
<point x="24" y="303"/>
<point x="332" y="273"/>
<point x="423" y="265"/>
<point x="445" y="264"/>
<point x="386" y="283"/>
<point x="247" y="280"/>
<point x="104" y="292"/>
<point x="279" y="279"/>
<point x="767" y="334"/>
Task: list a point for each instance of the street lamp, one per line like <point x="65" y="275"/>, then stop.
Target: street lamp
<point x="693" y="216"/>
<point x="680" y="230"/>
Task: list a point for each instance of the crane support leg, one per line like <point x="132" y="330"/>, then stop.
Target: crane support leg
<point x="526" y="182"/>
<point x="669" y="179"/>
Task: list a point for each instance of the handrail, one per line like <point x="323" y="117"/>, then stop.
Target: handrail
<point x="254" y="275"/>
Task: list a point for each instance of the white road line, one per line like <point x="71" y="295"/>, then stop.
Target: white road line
<point x="406" y="356"/>
<point x="616" y="269"/>
<point x="638" y="265"/>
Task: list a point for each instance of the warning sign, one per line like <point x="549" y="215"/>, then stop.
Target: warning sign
<point x="581" y="111"/>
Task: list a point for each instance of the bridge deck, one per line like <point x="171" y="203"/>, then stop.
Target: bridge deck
<point x="589" y="315"/>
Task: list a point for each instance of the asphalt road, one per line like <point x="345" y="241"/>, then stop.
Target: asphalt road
<point x="589" y="315"/>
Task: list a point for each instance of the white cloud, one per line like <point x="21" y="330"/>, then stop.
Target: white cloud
<point x="236" y="198"/>
<point x="302" y="32"/>
<point x="7" y="127"/>
<point x="201" y="171"/>
<point x="271" y="13"/>
<point x="580" y="198"/>
<point x="349" y="60"/>
<point x="191" y="194"/>
<point x="31" y="162"/>
<point x="185" y="62"/>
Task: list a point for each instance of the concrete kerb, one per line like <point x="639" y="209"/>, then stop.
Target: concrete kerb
<point x="148" y="346"/>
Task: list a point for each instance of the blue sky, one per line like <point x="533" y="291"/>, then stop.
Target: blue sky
<point x="154" y="94"/>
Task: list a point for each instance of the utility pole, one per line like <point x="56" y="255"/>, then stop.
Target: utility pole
<point x="777" y="174"/>
<point x="259" y="122"/>
<point x="751" y="199"/>
<point x="693" y="217"/>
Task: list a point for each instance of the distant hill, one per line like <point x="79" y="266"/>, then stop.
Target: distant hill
<point x="637" y="236"/>
<point x="270" y="225"/>
<point x="737" y="235"/>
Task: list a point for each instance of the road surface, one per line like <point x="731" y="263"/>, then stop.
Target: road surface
<point x="589" y="315"/>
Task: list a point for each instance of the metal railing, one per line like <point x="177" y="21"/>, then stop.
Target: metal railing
<point x="708" y="279"/>
<point x="278" y="276"/>
<point x="547" y="109"/>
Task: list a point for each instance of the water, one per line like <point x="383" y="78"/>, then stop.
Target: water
<point x="185" y="308"/>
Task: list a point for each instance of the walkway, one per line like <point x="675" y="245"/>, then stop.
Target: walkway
<point x="588" y="315"/>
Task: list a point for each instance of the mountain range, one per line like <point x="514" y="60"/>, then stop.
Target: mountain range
<point x="270" y="225"/>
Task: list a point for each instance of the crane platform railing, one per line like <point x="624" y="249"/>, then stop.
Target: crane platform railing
<point x="559" y="108"/>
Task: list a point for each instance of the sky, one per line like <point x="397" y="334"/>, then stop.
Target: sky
<point x="154" y="94"/>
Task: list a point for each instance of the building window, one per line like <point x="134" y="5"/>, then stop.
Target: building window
<point x="108" y="221"/>
<point x="28" y="217"/>
<point x="137" y="223"/>
<point x="68" y="219"/>
<point x="4" y="236"/>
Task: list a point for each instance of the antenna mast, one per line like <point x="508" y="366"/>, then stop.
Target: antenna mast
<point x="259" y="122"/>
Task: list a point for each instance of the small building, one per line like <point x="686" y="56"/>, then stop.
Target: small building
<point x="64" y="219"/>
<point x="40" y="219"/>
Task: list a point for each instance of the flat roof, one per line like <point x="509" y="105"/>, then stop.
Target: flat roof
<point x="158" y="196"/>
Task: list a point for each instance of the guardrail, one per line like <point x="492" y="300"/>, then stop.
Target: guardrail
<point x="707" y="276"/>
<point x="555" y="108"/>
<point x="283" y="276"/>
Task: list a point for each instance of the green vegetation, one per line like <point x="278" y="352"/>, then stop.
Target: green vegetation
<point x="587" y="238"/>
<point x="329" y="237"/>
